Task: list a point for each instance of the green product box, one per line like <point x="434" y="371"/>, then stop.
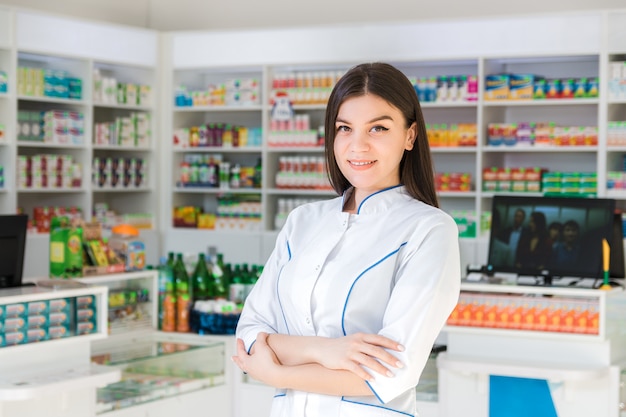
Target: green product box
<point x="66" y="243"/>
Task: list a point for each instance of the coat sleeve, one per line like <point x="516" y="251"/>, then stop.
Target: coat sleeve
<point x="259" y="314"/>
<point x="426" y="291"/>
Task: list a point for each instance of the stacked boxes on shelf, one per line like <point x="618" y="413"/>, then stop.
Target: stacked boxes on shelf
<point x="119" y="172"/>
<point x="534" y="87"/>
<point x="53" y="126"/>
<point x="540" y="134"/>
<point x="133" y="130"/>
<point x="36" y="321"/>
<point x="583" y="184"/>
<point x="108" y="90"/>
<point x="519" y="312"/>
<point x="37" y="82"/>
<point x="48" y="171"/>
<point x="233" y="92"/>
<point x="446" y="88"/>
<point x="617" y="80"/>
<point x="454" y="134"/>
<point x="521" y="179"/>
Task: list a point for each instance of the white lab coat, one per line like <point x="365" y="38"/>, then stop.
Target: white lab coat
<point x="393" y="269"/>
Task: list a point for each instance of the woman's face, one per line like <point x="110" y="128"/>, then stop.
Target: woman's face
<point x="370" y="140"/>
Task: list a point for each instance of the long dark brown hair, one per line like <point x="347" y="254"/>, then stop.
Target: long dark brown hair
<point x="390" y="84"/>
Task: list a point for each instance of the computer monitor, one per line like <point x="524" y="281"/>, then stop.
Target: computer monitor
<point x="554" y="237"/>
<point x="12" y="245"/>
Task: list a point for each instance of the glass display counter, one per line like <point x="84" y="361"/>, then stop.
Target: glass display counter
<point x="156" y="366"/>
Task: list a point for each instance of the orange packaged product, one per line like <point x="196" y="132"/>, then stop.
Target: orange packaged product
<point x="503" y="314"/>
<point x="541" y="323"/>
<point x="567" y="315"/>
<point x="593" y="322"/>
<point x="465" y="313"/>
<point x="517" y="314"/>
<point x="478" y="313"/>
<point x="490" y="313"/>
<point x="554" y="317"/>
<point x="581" y="318"/>
<point x="529" y="317"/>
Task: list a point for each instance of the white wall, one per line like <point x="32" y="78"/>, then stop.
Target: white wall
<point x="236" y="14"/>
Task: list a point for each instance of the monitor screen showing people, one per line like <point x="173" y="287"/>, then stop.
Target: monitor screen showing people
<point x="549" y="235"/>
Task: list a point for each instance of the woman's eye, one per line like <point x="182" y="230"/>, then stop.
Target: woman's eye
<point x="379" y="129"/>
<point x="343" y="128"/>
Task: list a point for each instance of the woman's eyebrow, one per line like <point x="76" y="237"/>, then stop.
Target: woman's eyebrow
<point x="375" y="119"/>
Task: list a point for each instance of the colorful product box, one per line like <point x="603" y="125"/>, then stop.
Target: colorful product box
<point x="58" y="332"/>
<point x="15" y="310"/>
<point x="37" y="307"/>
<point x="86" y="327"/>
<point x="36" y="335"/>
<point x="521" y="86"/>
<point x="59" y="318"/>
<point x="497" y="87"/>
<point x="4" y="82"/>
<point x="14" y="338"/>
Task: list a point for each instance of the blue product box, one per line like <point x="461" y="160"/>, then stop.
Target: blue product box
<point x="521" y="86"/>
<point x="59" y="318"/>
<point x="58" y="332"/>
<point x="12" y="324"/>
<point x="37" y="307"/>
<point x="86" y="327"/>
<point x="85" y="314"/>
<point x="4" y="82"/>
<point x="15" y="310"/>
<point x="85" y="301"/>
<point x="14" y="338"/>
<point x="36" y="335"/>
<point x="497" y="86"/>
<point x="59" y="305"/>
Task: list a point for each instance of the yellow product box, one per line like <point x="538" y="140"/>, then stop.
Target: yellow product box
<point x="497" y="87"/>
<point x="521" y="86"/>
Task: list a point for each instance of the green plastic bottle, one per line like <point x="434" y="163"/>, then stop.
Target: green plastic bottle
<point x="203" y="282"/>
<point x="183" y="295"/>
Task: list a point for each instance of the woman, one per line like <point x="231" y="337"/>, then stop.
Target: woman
<point x="357" y="288"/>
<point x="535" y="247"/>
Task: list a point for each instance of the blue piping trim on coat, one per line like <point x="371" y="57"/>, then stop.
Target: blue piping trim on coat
<point x="345" y="305"/>
<point x="250" y="348"/>
<point x="280" y="395"/>
<point x="280" y="304"/>
<point x="376" y="406"/>
<point x="377" y="192"/>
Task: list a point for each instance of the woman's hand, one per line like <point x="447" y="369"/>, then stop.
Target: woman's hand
<point x="262" y="364"/>
<point x="354" y="352"/>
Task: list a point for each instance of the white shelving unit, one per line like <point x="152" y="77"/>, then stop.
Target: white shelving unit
<point x="130" y="55"/>
<point x="544" y="53"/>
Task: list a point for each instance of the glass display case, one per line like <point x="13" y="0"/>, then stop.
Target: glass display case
<point x="155" y="366"/>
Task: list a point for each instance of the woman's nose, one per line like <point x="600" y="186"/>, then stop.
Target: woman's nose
<point x="360" y="141"/>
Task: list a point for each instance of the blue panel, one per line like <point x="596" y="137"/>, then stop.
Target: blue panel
<point x="519" y="397"/>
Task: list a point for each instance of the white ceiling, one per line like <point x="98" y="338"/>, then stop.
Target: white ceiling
<point x="178" y="15"/>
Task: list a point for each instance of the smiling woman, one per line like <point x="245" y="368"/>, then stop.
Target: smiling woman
<point x="351" y="300"/>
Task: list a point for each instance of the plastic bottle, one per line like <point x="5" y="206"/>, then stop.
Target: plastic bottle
<point x="183" y="296"/>
<point x="203" y="285"/>
<point x="167" y="297"/>
<point x="221" y="278"/>
<point x="236" y="288"/>
<point x="258" y="170"/>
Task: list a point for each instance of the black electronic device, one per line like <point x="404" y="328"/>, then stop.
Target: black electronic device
<point x="557" y="237"/>
<point x="12" y="245"/>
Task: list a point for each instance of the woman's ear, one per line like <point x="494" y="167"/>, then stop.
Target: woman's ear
<point x="411" y="136"/>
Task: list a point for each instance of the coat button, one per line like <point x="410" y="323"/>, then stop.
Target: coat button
<point x="308" y="320"/>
